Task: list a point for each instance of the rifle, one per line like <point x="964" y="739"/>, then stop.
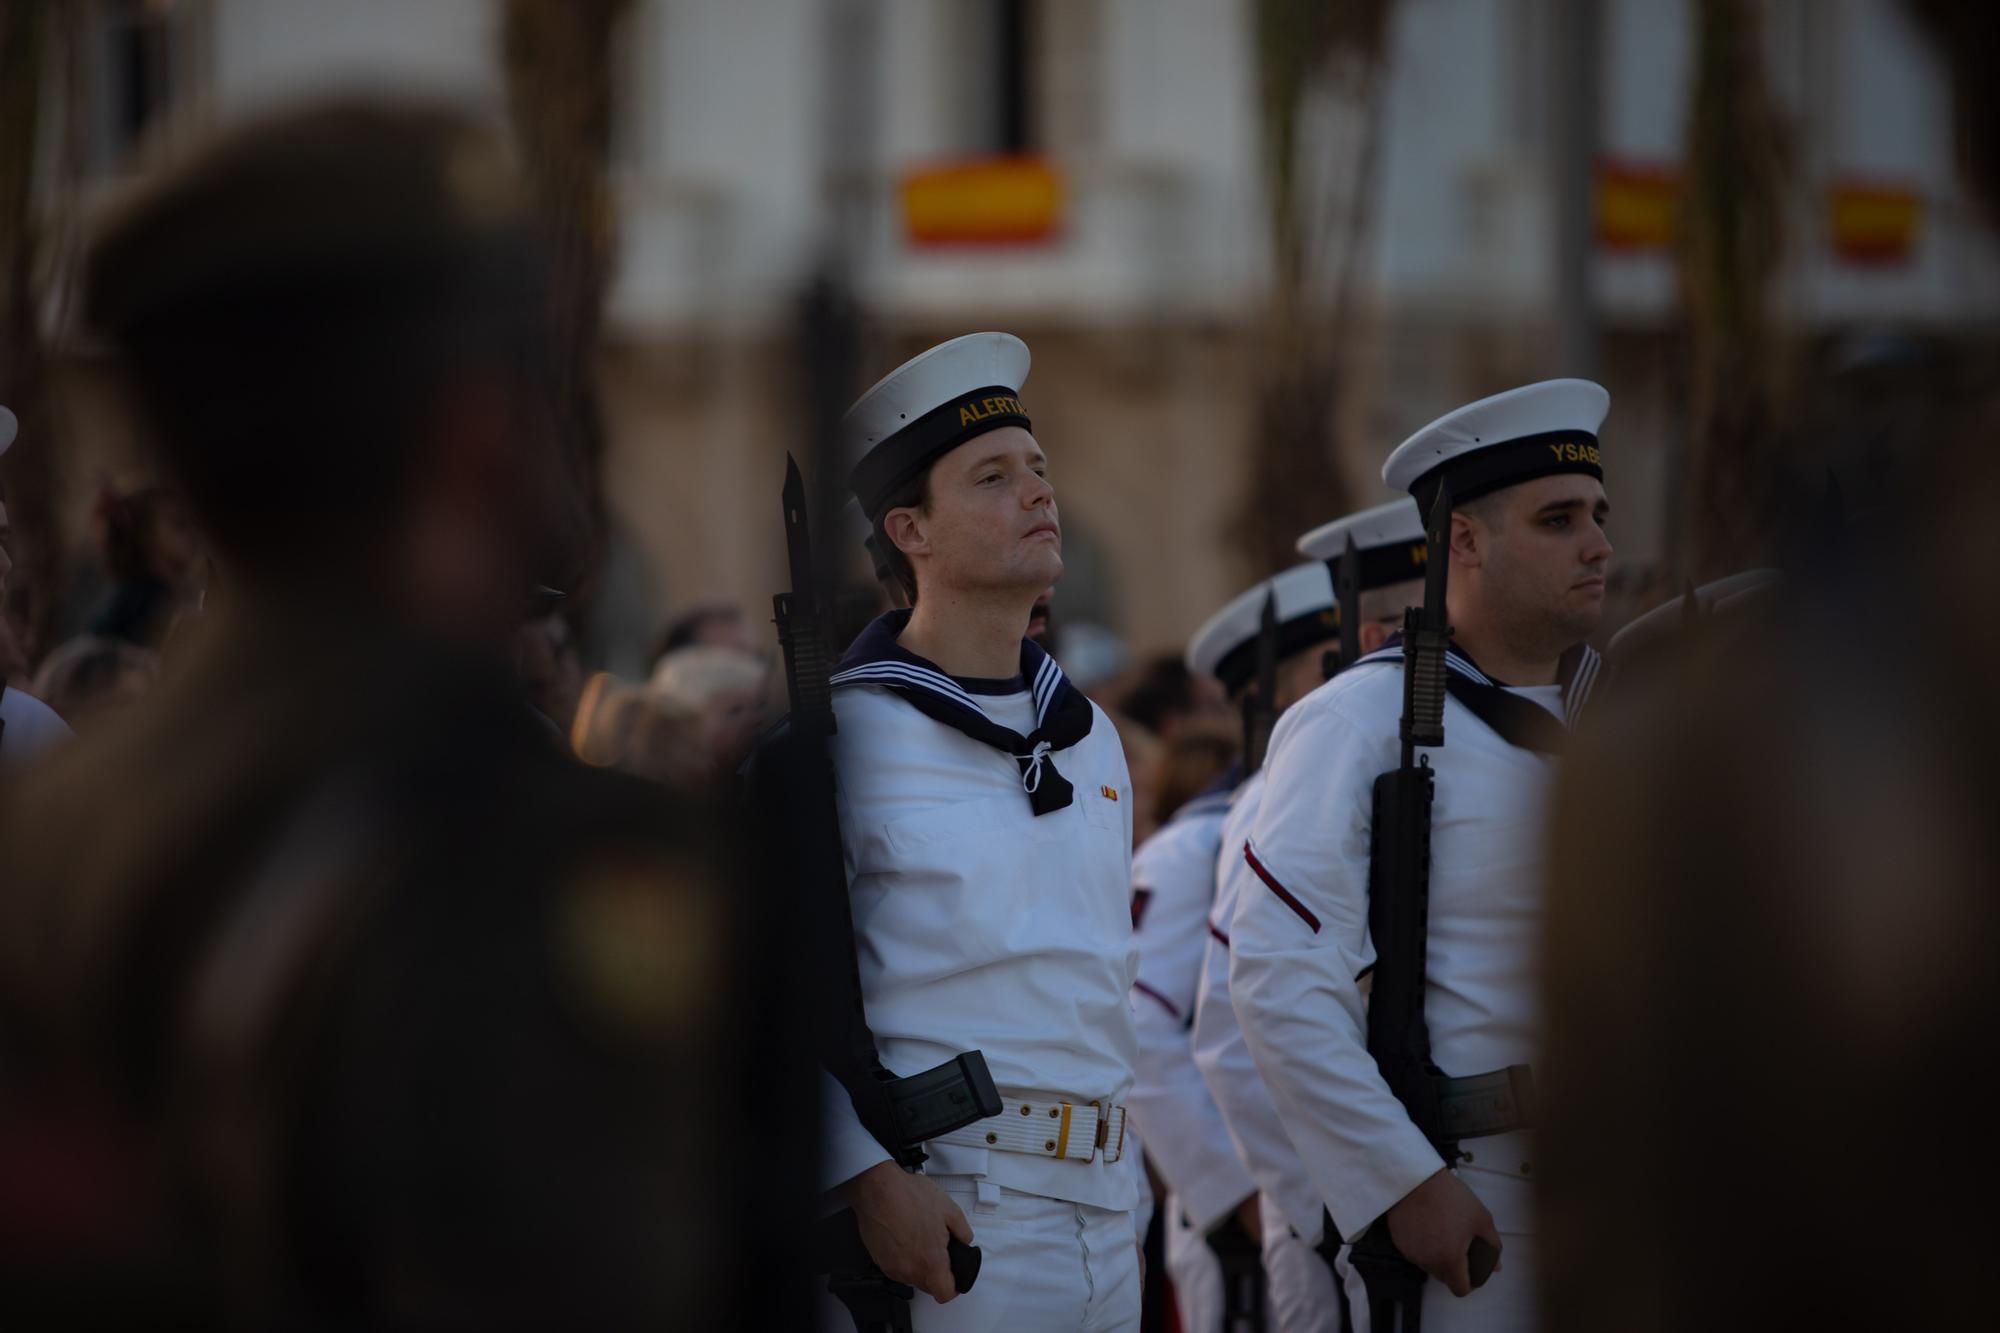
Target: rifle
<point x="1242" y="1261"/>
<point x="1347" y="588"/>
<point x="1445" y="1109"/>
<point x="796" y="782"/>
<point x="1260" y="705"/>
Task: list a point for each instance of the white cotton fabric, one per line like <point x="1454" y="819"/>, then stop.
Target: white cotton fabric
<point x="1193" y="1271"/>
<point x="1222" y="1055"/>
<point x="1016" y="712"/>
<point x="1300" y="1295"/>
<point x="31" y="728"/>
<point x="982" y="926"/>
<point x="1170" y="1104"/>
<point x="1384" y="525"/>
<point x="1295" y="988"/>
<point x="1532" y="409"/>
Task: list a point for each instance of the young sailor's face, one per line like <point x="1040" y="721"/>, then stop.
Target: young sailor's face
<point x="992" y="520"/>
<point x="1550" y="553"/>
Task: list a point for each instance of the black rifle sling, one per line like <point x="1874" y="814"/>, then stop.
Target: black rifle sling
<point x="1520" y="722"/>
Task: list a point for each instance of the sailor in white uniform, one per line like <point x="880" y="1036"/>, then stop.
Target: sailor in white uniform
<point x="1173" y="888"/>
<point x="28" y="727"/>
<point x="1527" y="555"/>
<point x="1389" y="545"/>
<point x="987" y="818"/>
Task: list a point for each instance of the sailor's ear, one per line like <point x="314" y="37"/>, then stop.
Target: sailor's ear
<point x="905" y="527"/>
<point x="1469" y="539"/>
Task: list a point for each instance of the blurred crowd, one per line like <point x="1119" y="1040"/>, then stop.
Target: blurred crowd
<point x="690" y="724"/>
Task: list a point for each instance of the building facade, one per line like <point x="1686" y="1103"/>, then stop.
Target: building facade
<point x="1088" y="173"/>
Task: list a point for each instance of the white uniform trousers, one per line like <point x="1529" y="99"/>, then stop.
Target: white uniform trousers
<point x="1506" y="1304"/>
<point x="1299" y="1288"/>
<point x="1045" y="1264"/>
<point x="1194" y="1271"/>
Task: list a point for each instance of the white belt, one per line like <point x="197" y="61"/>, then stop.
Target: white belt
<point x="1046" y="1125"/>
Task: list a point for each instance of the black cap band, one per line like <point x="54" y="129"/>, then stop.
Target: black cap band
<point x="1384" y="566"/>
<point x="916" y="446"/>
<point x="1502" y="465"/>
<point x="1296" y="635"/>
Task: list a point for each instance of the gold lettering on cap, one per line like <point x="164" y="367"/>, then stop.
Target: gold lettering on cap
<point x="983" y="409"/>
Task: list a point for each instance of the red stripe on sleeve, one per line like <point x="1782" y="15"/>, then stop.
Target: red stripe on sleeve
<point x="1284" y="895"/>
<point x="1218" y="934"/>
<point x="1164" y="1002"/>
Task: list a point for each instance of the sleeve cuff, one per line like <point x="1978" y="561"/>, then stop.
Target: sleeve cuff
<point x="847" y="1148"/>
<point x="1394" y="1168"/>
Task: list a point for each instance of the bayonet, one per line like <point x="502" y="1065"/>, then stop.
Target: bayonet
<point x="1427" y="638"/>
<point x="1346" y="573"/>
<point x="1260" y="703"/>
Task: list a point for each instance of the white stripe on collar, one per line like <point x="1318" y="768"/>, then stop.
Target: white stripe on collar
<point x="1576" y="693"/>
<point x="902" y="673"/>
<point x="1461" y="665"/>
<point x="1048" y="677"/>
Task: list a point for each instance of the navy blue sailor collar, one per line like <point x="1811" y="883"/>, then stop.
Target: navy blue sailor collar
<point x="1063" y="716"/>
<point x="1518" y="720"/>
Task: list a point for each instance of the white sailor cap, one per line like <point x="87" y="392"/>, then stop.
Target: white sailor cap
<point x="1534" y="431"/>
<point x="930" y="405"/>
<point x="1226" y="645"/>
<point x="1388" y="544"/>
<point x="8" y="426"/>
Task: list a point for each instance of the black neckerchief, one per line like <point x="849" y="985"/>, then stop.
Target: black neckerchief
<point x="1063" y="715"/>
<point x="1520" y="722"/>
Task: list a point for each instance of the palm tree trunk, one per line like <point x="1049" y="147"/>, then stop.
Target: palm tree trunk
<point x="1731" y="244"/>
<point x="558" y="56"/>
<point x="1316" y="272"/>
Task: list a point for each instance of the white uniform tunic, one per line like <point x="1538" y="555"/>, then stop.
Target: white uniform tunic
<point x="1302" y="1296"/>
<point x="28" y="727"/>
<point x="981" y="926"/>
<point x="1299" y="942"/>
<point x="1173" y="888"/>
<point x="1220" y="1052"/>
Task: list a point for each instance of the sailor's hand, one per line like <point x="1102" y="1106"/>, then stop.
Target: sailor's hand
<point x="1433" y="1226"/>
<point x="905" y="1222"/>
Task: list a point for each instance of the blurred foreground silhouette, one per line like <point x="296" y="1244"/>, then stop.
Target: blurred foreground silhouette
<point x="331" y="988"/>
